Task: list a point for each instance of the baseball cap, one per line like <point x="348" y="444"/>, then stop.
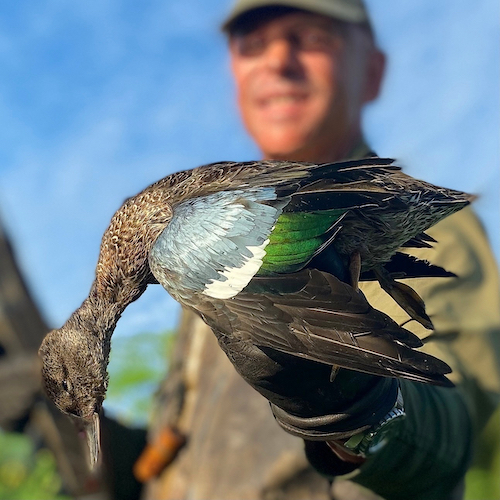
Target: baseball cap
<point x="353" y="11"/>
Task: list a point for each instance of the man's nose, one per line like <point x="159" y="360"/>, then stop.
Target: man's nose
<point x="281" y="56"/>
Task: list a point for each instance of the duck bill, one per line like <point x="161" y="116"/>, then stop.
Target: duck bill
<point x="93" y="436"/>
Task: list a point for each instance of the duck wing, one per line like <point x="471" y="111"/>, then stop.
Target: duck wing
<point x="313" y="315"/>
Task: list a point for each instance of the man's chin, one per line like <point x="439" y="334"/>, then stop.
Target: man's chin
<point x="306" y="146"/>
<point x="284" y="155"/>
<point x="292" y="153"/>
<point x="286" y="146"/>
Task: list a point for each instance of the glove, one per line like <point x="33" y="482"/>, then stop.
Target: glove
<point x="304" y="399"/>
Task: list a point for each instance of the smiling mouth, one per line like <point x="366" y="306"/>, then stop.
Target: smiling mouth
<point x="284" y="107"/>
<point x="282" y="99"/>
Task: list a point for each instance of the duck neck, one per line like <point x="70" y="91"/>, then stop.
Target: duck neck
<point x="97" y="316"/>
<point x="116" y="285"/>
<point x="122" y="272"/>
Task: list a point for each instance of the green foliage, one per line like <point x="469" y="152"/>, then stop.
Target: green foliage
<point x="483" y="479"/>
<point x="137" y="365"/>
<point x="24" y="473"/>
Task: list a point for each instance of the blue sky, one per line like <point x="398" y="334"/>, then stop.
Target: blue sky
<point x="99" y="98"/>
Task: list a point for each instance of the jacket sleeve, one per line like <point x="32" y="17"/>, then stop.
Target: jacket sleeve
<point x="429" y="454"/>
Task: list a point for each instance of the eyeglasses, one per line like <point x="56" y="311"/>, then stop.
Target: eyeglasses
<point x="301" y="37"/>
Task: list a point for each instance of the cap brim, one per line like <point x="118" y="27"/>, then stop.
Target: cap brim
<point x="343" y="10"/>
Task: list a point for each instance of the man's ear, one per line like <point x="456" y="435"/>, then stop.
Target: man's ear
<point x="374" y="74"/>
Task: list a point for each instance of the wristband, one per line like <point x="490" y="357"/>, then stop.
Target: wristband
<point x="371" y="440"/>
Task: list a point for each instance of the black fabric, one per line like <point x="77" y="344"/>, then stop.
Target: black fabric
<point x="360" y="415"/>
<point x="322" y="458"/>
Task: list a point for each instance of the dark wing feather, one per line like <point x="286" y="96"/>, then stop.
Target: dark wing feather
<point x="403" y="266"/>
<point x="422" y="240"/>
<point x="313" y="315"/>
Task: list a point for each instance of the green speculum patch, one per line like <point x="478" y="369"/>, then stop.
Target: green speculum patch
<point x="295" y="239"/>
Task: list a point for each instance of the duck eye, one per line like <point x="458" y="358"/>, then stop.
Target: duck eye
<point x="65" y="385"/>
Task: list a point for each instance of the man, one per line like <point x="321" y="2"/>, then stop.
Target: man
<point x="303" y="72"/>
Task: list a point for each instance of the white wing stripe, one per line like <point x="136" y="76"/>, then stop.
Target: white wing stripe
<point x="237" y="278"/>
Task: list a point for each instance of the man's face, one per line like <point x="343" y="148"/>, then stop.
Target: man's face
<point x="301" y="82"/>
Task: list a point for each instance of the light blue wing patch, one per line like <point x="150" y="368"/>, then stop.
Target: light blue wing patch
<point x="215" y="244"/>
